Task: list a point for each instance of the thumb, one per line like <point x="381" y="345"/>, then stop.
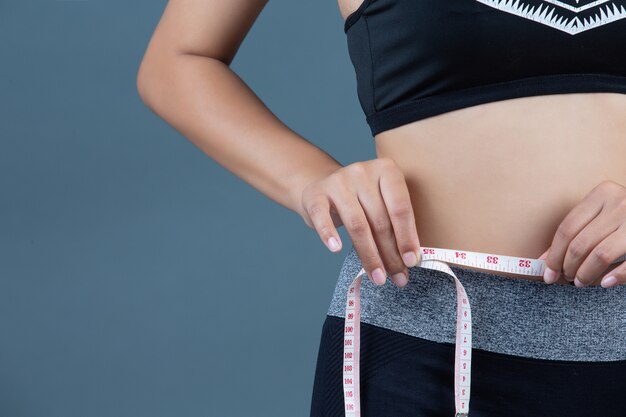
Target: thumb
<point x="545" y="254"/>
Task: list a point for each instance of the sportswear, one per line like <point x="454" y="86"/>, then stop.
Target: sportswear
<point x="415" y="59"/>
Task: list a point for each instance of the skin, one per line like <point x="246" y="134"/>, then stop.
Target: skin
<point x="459" y="180"/>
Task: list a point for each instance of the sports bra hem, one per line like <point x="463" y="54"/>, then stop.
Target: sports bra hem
<point x="425" y="107"/>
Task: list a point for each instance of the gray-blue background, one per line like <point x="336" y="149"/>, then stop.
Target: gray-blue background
<point x="137" y="276"/>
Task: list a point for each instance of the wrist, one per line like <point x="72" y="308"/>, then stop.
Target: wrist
<point x="306" y="177"/>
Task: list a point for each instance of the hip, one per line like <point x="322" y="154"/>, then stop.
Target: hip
<point x="510" y="316"/>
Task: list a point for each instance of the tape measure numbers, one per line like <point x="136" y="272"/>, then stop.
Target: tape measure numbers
<point x="437" y="259"/>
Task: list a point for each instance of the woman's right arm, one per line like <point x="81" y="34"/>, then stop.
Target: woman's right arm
<point x="185" y="78"/>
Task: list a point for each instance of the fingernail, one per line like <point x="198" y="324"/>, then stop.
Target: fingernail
<point x="410" y="259"/>
<point x="333" y="244"/>
<point x="549" y="276"/>
<point x="379" y="276"/>
<point x="608" y="281"/>
<point x="578" y="283"/>
<point x="400" y="279"/>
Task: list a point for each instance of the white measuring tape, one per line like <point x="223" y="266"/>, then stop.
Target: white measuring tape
<point x="432" y="258"/>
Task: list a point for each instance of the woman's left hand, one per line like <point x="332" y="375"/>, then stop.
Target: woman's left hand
<point x="590" y="238"/>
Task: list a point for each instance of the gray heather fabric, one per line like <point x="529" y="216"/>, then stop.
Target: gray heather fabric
<point x="509" y="315"/>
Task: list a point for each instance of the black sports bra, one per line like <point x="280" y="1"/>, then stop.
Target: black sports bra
<point x="419" y="58"/>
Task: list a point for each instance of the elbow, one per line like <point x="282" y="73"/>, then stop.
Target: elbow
<point x="146" y="82"/>
<point x="152" y="76"/>
<point x="156" y="80"/>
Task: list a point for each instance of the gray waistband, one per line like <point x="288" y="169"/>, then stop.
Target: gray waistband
<point x="509" y="315"/>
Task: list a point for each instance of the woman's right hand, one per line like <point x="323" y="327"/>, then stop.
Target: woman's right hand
<point x="372" y="200"/>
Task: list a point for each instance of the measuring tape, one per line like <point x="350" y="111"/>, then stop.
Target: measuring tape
<point x="437" y="259"/>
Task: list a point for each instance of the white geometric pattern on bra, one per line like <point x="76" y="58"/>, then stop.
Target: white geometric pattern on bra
<point x="562" y="14"/>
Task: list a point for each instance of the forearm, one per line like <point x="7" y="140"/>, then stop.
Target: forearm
<point x="210" y="105"/>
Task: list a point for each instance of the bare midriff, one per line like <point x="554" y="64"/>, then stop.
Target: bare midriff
<point x="500" y="177"/>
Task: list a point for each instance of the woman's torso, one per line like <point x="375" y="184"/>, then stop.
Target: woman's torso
<point x="500" y="177"/>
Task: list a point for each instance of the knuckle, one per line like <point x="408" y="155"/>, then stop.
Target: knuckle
<point x="315" y="208"/>
<point x="577" y="248"/>
<point x="357" y="224"/>
<point x="381" y="224"/>
<point x="385" y="162"/>
<point x="602" y="255"/>
<point x="400" y="208"/>
<point x="602" y="185"/>
<point x="621" y="205"/>
<point x="564" y="231"/>
<point x="357" y="170"/>
<point x="606" y="186"/>
<point x="337" y="176"/>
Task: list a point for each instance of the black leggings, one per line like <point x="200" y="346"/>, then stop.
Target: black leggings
<point x="406" y="376"/>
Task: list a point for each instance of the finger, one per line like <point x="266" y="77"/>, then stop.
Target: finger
<point x="615" y="277"/>
<point x="585" y="245"/>
<point x="382" y="230"/>
<point x="357" y="225"/>
<point x="543" y="255"/>
<point x="571" y="225"/>
<point x="601" y="257"/>
<point x="318" y="209"/>
<point x="604" y="273"/>
<point x="395" y="193"/>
